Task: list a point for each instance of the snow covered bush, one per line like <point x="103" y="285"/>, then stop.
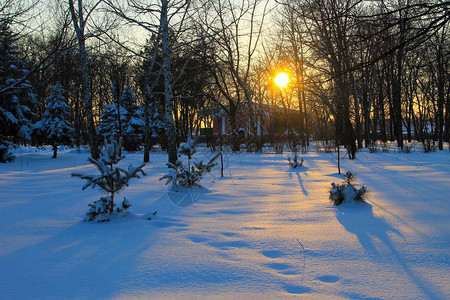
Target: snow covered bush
<point x="346" y="192"/>
<point x="406" y="148"/>
<point x="325" y="146"/>
<point x="278" y="147"/>
<point x="295" y="163"/>
<point x="428" y="146"/>
<point x="182" y="175"/>
<point x="111" y="180"/>
<point x="100" y="210"/>
<point x="5" y="151"/>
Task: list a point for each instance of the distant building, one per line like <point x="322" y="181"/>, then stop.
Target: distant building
<point x="269" y="119"/>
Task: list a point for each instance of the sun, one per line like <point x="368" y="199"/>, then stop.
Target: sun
<point x="281" y="80"/>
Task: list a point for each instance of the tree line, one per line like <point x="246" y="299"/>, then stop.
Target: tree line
<point x="155" y="72"/>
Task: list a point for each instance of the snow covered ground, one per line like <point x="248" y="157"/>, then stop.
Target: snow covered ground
<point x="262" y="231"/>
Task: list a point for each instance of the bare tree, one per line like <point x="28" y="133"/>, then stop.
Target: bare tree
<point x="166" y="21"/>
<point x="238" y="29"/>
<point x="329" y="31"/>
<point x="80" y="16"/>
<point x="294" y="48"/>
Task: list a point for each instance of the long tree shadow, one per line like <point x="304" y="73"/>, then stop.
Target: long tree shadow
<point x="360" y="220"/>
<point x="298" y="172"/>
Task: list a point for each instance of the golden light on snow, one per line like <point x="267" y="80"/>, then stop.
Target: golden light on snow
<point x="281" y="80"/>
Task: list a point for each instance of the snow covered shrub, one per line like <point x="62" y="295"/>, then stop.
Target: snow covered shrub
<point x="428" y="146"/>
<point x="5" y="152"/>
<point x="346" y="192"/>
<point x="111" y="180"/>
<point x="236" y="139"/>
<point x="100" y="209"/>
<point x="182" y="175"/>
<point x="372" y="147"/>
<point x="278" y="147"/>
<point x="325" y="147"/>
<point x="406" y="148"/>
<point x="349" y="177"/>
<point x="304" y="149"/>
<point x="295" y="163"/>
<point x="254" y="143"/>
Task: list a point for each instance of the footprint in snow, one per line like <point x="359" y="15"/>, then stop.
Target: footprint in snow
<point x="278" y="266"/>
<point x="272" y="253"/>
<point x="328" y="278"/>
<point x="229" y="234"/>
<point x="197" y="239"/>
<point x="290" y="273"/>
<point x="297" y="290"/>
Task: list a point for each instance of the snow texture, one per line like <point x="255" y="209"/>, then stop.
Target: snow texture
<point x="262" y="232"/>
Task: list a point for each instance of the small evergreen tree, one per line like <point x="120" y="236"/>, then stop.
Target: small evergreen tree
<point x="346" y="192"/>
<point x="156" y="123"/>
<point x="17" y="100"/>
<point x="123" y="120"/>
<point x="111" y="180"/>
<point x="182" y="175"/>
<point x="108" y="125"/>
<point x="5" y="150"/>
<point x="133" y="127"/>
<point x="55" y="126"/>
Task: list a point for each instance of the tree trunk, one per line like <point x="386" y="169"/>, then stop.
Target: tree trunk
<point x="79" y="25"/>
<point x="447" y="116"/>
<point x="306" y="118"/>
<point x="235" y="141"/>
<point x="55" y="150"/>
<point x="397" y="110"/>
<point x="357" y="119"/>
<point x="92" y="134"/>
<point x="167" y="73"/>
<point x="367" y="135"/>
<point x="147" y="129"/>
<point x="440" y="112"/>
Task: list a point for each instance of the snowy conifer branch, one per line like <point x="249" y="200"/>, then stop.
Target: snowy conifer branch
<point x="111" y="180"/>
<point x="182" y="175"/>
<point x="346" y="192"/>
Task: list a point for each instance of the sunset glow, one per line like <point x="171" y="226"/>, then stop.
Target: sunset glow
<point x="282" y="79"/>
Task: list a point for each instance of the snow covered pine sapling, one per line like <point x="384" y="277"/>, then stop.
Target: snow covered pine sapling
<point x="111" y="180"/>
<point x="182" y="175"/>
<point x="55" y="125"/>
<point x="295" y="163"/>
<point x="346" y="192"/>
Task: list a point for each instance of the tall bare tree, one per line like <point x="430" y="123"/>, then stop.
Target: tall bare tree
<point x="238" y="29"/>
<point x="80" y="16"/>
